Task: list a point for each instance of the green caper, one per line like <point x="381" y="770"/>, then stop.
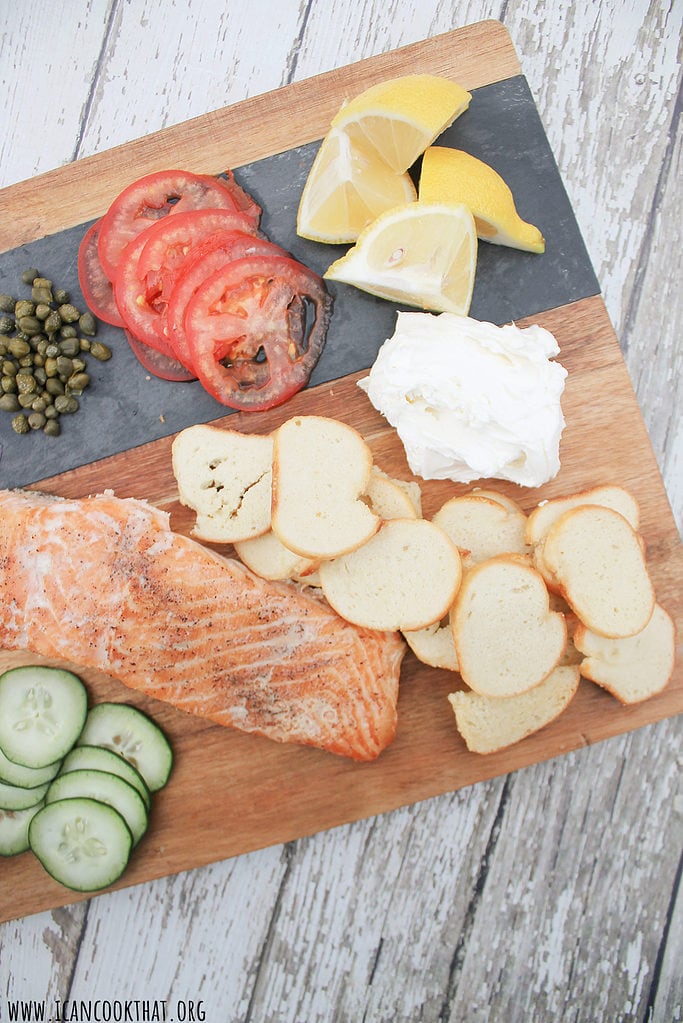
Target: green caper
<point x="100" y="352"/>
<point x="24" y="308"/>
<point x="7" y="304"/>
<point x="52" y="350"/>
<point x="41" y="295"/>
<point x="87" y="324"/>
<point x="8" y="384"/>
<point x="30" y="325"/>
<point x="66" y="404"/>
<point x="39" y="404"/>
<point x="29" y="276"/>
<point x="53" y="322"/>
<point x="42" y="346"/>
<point x="20" y="424"/>
<point x="65" y="366"/>
<point x="51" y="412"/>
<point x="36" y="420"/>
<point x="42" y="282"/>
<point x="85" y="343"/>
<point x="43" y="311"/>
<point x="54" y="386"/>
<point x="26" y="400"/>
<point x="68" y="331"/>
<point x="78" y="382"/>
<point x="79" y="365"/>
<point x="61" y="297"/>
<point x="9" y="403"/>
<point x="6" y="324"/>
<point x="26" y="383"/>
<point x="9" y="368"/>
<point x="19" y="348"/>
<point x="52" y="428"/>
<point x="70" y="346"/>
<point x="69" y="313"/>
<point x="50" y="366"/>
<point x="40" y="375"/>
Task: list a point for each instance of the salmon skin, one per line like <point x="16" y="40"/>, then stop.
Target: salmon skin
<point x="105" y="583"/>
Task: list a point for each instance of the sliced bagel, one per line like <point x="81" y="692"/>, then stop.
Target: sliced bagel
<point x="321" y="469"/>
<point x="481" y="527"/>
<point x="597" y="560"/>
<point x="392" y="499"/>
<point x="634" y="668"/>
<point x="488" y="724"/>
<point x="507" y="639"/>
<point x="608" y="496"/>
<point x="433" y="645"/>
<point x="405" y="577"/>
<point x="225" y="477"/>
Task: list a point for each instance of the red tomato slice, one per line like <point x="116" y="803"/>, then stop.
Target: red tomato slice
<point x="207" y="257"/>
<point x="156" y="195"/>
<point x="142" y="298"/>
<point x="97" y="289"/>
<point x="165" y="366"/>
<point x="249" y="332"/>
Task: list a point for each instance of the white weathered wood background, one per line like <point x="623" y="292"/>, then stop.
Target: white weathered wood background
<point x="552" y="894"/>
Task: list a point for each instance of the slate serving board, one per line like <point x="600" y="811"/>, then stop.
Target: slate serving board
<point x="232" y="792"/>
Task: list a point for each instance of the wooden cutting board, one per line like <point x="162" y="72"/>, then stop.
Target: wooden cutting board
<point x="231" y="793"/>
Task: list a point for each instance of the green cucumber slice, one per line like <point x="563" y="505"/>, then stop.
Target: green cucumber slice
<point x="82" y="843"/>
<point x="97" y="758"/>
<point x="14" y="826"/>
<point x="26" y="777"/>
<point x="13" y="797"/>
<point x="42" y="711"/>
<point x="134" y="736"/>
<point x="106" y="788"/>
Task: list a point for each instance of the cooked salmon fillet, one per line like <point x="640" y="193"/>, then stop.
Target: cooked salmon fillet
<point x="104" y="582"/>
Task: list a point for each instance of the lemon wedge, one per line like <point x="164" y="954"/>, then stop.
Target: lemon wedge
<point x="450" y="175"/>
<point x="417" y="254"/>
<point x="397" y="119"/>
<point x="345" y="190"/>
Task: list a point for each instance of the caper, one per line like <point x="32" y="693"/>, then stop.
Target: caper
<point x="79" y="365"/>
<point x="70" y="346"/>
<point x="78" y="382"/>
<point x="52" y="428"/>
<point x="43" y="311"/>
<point x="52" y="351"/>
<point x="61" y="297"/>
<point x="3" y="349"/>
<point x="87" y="324"/>
<point x="41" y="282"/>
<point x="54" y="386"/>
<point x="40" y="375"/>
<point x="39" y="404"/>
<point x="24" y="308"/>
<point x="100" y="352"/>
<point x="26" y="400"/>
<point x="85" y="343"/>
<point x="66" y="404"/>
<point x="53" y="322"/>
<point x="65" y="366"/>
<point x="9" y="368"/>
<point x="7" y="304"/>
<point x="50" y="366"/>
<point x="6" y="324"/>
<point x="19" y="348"/>
<point x="29" y="276"/>
<point x="8" y="384"/>
<point x="42" y="346"/>
<point x="26" y="362"/>
<point x="20" y="424"/>
<point x="68" y="331"/>
<point x="26" y="383"/>
<point x="36" y="420"/>
<point x="69" y="313"/>
<point x="41" y="295"/>
<point x="51" y="412"/>
<point x="9" y="403"/>
<point x="30" y="325"/>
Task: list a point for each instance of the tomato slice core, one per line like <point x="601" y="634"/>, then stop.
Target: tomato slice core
<point x="256" y="329"/>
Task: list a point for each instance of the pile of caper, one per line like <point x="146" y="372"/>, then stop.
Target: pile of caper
<point x="44" y="343"/>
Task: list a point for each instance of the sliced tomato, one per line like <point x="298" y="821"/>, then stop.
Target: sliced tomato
<point x="142" y="297"/>
<point x="256" y="329"/>
<point x="205" y="259"/>
<point x="97" y="289"/>
<point x="156" y="195"/>
<point x="160" y="364"/>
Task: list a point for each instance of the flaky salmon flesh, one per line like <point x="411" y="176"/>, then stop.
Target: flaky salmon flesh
<point x="105" y="583"/>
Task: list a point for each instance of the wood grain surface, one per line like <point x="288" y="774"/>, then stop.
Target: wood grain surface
<point x="550" y="893"/>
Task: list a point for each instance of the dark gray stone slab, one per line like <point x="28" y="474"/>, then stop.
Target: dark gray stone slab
<point x="125" y="406"/>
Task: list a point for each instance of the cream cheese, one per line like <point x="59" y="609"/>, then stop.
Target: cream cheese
<point x="471" y="400"/>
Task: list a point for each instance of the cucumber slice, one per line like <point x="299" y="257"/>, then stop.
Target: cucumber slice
<point x="106" y="788"/>
<point x="14" y="826"/>
<point x="134" y="736"/>
<point x="26" y="777"/>
<point x="12" y="797"/>
<point x="97" y="758"/>
<point x="82" y="843"/>
<point x="42" y="711"/>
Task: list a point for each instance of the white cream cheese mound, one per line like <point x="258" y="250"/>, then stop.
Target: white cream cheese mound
<point x="471" y="400"/>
